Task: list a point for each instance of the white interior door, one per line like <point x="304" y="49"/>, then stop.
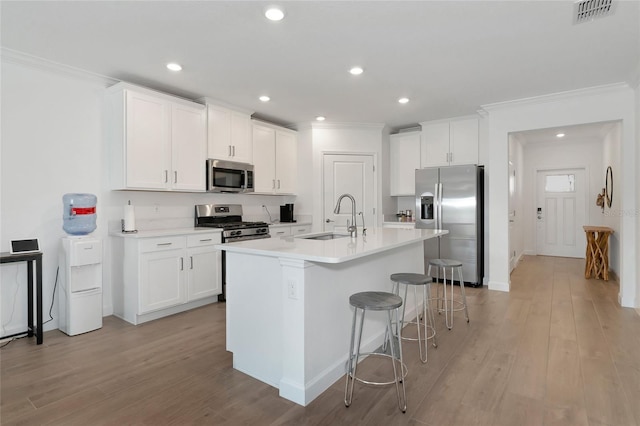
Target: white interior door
<point x="561" y="212"/>
<point x="348" y="174"/>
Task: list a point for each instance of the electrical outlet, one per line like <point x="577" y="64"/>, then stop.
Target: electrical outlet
<point x="292" y="289"/>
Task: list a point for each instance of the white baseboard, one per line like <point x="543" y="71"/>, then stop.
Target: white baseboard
<point x="498" y="286"/>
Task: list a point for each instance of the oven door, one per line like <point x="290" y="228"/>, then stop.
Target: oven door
<point x="229" y="176"/>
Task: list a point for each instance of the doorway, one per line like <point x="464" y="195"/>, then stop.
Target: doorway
<point x="560" y="212"/>
<point x="348" y="174"/>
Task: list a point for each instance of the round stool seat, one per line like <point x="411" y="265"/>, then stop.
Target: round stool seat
<point x="410" y="278"/>
<point x="445" y="263"/>
<point x="375" y="301"/>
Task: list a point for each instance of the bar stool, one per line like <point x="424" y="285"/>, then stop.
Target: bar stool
<point x="428" y="320"/>
<point x="376" y="301"/>
<point x="443" y="264"/>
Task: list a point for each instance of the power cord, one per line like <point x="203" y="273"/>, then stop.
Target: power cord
<point x="53" y="298"/>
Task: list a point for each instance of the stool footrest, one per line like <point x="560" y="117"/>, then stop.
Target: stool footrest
<point x="405" y="370"/>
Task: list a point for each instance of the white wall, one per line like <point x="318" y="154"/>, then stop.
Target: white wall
<point x="52" y="144"/>
<point x="610" y="103"/>
<point x="611" y="216"/>
<point x="321" y="138"/>
<point x="516" y="203"/>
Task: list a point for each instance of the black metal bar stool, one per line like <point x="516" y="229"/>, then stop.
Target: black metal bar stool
<point x="428" y="320"/>
<point x="376" y="301"/>
<point x="442" y="265"/>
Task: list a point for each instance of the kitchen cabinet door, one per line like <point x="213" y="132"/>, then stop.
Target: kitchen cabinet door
<point x="404" y="160"/>
<point x="228" y="134"/>
<point x="435" y="144"/>
<point x="463" y="141"/>
<point x="148" y="144"/>
<point x="189" y="148"/>
<point x="450" y="142"/>
<point x="264" y="165"/>
<point x="275" y="159"/>
<point x="204" y="278"/>
<point x="286" y="162"/>
<point x="161" y="280"/>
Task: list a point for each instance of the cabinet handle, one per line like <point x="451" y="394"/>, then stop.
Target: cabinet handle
<point x="166" y="176"/>
<point x="451" y="157"/>
<point x="175" y="177"/>
<point x="182" y="263"/>
<point x="273" y="185"/>
<point x="191" y="257"/>
<point x="233" y="147"/>
<point x="278" y="183"/>
<point x="204" y="241"/>
<point x="163" y="244"/>
<point x="230" y="155"/>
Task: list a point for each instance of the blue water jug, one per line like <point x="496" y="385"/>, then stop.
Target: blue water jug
<point x="79" y="213"/>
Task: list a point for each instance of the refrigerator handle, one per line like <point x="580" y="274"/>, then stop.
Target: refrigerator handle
<point x="440" y="205"/>
<point x="436" y="206"/>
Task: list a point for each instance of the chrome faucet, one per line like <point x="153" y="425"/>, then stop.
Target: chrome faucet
<point x="353" y="230"/>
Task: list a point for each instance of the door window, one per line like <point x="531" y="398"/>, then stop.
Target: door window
<point x="560" y="183"/>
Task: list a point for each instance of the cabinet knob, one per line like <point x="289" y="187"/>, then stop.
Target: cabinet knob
<point x="329" y="220"/>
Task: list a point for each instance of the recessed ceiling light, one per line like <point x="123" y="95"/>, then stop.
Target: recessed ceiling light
<point x="320" y="118"/>
<point x="264" y="98"/>
<point x="560" y="135"/>
<point x="274" y="14"/>
<point x="356" y="70"/>
<point x="174" y="67"/>
<point x="403" y="100"/>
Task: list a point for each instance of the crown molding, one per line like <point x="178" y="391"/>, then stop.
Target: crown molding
<point x="607" y="88"/>
<point x="36" y="62"/>
<point x="339" y="126"/>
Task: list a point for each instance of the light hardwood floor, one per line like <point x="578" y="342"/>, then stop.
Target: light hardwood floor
<point x="556" y="350"/>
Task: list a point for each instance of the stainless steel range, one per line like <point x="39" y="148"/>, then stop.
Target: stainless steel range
<point x="228" y="217"/>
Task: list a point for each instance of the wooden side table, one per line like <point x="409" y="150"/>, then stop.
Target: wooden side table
<point x="597" y="252"/>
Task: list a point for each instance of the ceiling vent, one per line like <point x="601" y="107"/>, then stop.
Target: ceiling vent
<point x="588" y="10"/>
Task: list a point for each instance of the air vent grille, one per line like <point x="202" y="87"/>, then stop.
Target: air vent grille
<point x="588" y="10"/>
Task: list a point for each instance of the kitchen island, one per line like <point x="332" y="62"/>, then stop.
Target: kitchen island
<point x="288" y="313"/>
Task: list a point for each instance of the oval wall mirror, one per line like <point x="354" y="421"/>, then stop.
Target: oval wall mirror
<point x="609" y="186"/>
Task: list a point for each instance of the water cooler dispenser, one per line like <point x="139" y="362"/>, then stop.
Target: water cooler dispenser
<point x="80" y="285"/>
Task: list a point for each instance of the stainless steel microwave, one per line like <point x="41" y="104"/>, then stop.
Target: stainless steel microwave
<point x="229" y="176"/>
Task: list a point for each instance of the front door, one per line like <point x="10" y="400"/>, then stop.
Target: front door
<point x="560" y="212"/>
<point x="348" y="174"/>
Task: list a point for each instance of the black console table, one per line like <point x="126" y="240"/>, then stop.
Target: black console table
<point x="30" y="258"/>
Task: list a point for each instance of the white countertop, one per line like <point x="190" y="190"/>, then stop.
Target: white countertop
<point x="163" y="232"/>
<point x="337" y="250"/>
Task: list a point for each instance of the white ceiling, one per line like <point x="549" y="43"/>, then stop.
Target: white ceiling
<point x="448" y="57"/>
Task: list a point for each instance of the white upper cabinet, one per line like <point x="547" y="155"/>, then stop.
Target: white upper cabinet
<point x="450" y="142"/>
<point x="229" y="134"/>
<point x="275" y="155"/>
<point x="156" y="141"/>
<point x="189" y="147"/>
<point x="404" y="158"/>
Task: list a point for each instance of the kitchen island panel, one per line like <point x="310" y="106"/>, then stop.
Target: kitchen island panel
<point x="289" y="320"/>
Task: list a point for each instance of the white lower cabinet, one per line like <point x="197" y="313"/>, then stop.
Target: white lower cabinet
<point x="165" y="275"/>
<point x="286" y="231"/>
<point x="161" y="280"/>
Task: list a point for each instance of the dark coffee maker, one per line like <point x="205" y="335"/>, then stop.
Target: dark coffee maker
<point x="286" y="213"/>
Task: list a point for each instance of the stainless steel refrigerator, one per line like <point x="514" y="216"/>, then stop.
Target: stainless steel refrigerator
<point x="451" y="198"/>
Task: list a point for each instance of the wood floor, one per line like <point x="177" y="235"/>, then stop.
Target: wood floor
<point x="556" y="350"/>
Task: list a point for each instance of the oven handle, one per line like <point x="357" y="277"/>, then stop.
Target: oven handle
<point x="246" y="238"/>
